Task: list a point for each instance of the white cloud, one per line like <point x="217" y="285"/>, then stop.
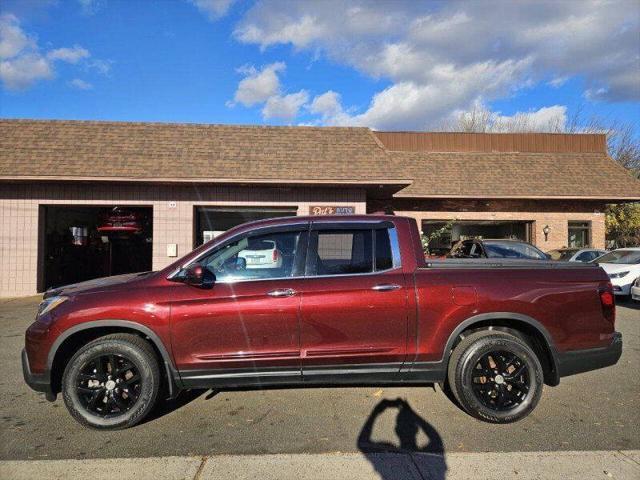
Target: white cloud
<point x="22" y="71"/>
<point x="214" y="9"/>
<point x="448" y="56"/>
<point x="546" y="119"/>
<point x="80" y="84"/>
<point x="69" y="55"/>
<point x="328" y="104"/>
<point x="12" y="39"/>
<point x="262" y="87"/>
<point x="557" y="82"/>
<point x="23" y="63"/>
<point x="103" y="67"/>
<point x="300" y="32"/>
<point x="284" y="107"/>
<point x="258" y="85"/>
<point x="90" y="7"/>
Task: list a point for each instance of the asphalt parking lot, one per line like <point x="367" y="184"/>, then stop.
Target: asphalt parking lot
<point x="594" y="411"/>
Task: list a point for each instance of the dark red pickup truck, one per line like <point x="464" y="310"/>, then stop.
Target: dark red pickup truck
<point x="321" y="301"/>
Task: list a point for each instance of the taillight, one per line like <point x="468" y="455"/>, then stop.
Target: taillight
<point x="608" y="303"/>
<point x="275" y="256"/>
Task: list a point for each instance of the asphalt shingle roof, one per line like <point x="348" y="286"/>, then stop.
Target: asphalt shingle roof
<point x="190" y="151"/>
<point x="41" y="149"/>
<point x="527" y="175"/>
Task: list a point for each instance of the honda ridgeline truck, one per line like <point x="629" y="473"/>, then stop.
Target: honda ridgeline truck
<point x="351" y="301"/>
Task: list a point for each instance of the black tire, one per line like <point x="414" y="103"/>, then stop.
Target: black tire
<point x="510" y="391"/>
<point x="134" y="365"/>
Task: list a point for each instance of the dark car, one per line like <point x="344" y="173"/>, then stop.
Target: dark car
<point x="489" y="248"/>
<point x="353" y="302"/>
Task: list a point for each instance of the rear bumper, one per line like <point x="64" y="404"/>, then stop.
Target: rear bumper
<point x="579" y="361"/>
<point x="38" y="382"/>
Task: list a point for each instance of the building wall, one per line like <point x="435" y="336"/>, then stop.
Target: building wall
<point x="173" y="209"/>
<point x="555" y="214"/>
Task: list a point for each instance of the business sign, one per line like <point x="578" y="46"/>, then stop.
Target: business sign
<point x="329" y="210"/>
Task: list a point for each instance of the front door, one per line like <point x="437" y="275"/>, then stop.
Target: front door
<point x="353" y="323"/>
<point x="245" y="329"/>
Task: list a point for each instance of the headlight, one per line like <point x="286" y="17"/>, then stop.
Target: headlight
<point x="618" y="274"/>
<point x="50" y="303"/>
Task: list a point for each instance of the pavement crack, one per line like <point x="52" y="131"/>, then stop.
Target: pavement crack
<point x="201" y="467"/>
<point x="621" y="452"/>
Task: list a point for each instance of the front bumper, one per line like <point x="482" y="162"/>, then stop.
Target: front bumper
<point x="38" y="382"/>
<point x="579" y="361"/>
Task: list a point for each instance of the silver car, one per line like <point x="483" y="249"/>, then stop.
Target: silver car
<point x="576" y="254"/>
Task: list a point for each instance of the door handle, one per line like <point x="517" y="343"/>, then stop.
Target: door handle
<point x="386" y="287"/>
<point x="282" y="292"/>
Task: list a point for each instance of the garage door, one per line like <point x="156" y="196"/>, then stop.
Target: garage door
<point x="80" y="243"/>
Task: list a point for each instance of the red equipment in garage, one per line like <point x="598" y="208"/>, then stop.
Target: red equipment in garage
<point x="121" y="221"/>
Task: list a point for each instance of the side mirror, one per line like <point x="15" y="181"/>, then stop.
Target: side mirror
<point x="199" y="276"/>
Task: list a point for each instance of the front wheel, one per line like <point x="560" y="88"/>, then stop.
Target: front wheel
<point x="112" y="382"/>
<point x="495" y="376"/>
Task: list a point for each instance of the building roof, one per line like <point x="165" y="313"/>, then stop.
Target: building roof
<point x="473" y="165"/>
<point x="494" y="142"/>
<point x="515" y="175"/>
<point x="191" y="152"/>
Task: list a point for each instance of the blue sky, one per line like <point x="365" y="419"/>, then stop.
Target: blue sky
<point x="387" y="65"/>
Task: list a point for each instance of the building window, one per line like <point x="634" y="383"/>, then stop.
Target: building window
<point x="213" y="221"/>
<point x="579" y="234"/>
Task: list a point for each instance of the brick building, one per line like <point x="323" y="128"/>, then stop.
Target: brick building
<point x="85" y="199"/>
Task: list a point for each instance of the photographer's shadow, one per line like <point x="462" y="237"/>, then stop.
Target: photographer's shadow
<point x="408" y="427"/>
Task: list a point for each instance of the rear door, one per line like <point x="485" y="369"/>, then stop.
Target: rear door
<point x="353" y="319"/>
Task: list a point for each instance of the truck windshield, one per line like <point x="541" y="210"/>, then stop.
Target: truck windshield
<point x="623" y="257"/>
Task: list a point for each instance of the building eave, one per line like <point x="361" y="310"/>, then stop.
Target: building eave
<point x="608" y="198"/>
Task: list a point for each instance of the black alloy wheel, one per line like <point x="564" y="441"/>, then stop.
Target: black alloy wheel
<point x="500" y="380"/>
<point x="495" y="376"/>
<point x="112" y="382"/>
<point x="108" y="385"/>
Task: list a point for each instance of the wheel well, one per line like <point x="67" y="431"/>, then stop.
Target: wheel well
<point x="526" y="332"/>
<point x="71" y="344"/>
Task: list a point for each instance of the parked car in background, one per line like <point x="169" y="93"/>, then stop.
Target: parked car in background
<point x="261" y="254"/>
<point x="635" y="290"/>
<point x="576" y="254"/>
<point x="623" y="267"/>
<point x="481" y="248"/>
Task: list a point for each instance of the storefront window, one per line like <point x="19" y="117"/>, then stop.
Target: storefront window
<point x="579" y="234"/>
<point x="213" y="221"/>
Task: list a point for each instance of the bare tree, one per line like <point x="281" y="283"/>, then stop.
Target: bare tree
<point x="623" y="141"/>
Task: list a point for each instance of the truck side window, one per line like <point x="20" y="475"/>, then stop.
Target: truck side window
<point x="344" y="252"/>
<point x="255" y="257"/>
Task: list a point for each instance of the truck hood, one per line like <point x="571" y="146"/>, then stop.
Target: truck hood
<point x="99" y="284"/>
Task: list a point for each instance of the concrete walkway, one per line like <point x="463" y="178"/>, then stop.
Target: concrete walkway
<point x="477" y="466"/>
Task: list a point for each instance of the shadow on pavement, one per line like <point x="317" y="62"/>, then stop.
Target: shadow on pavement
<point x="630" y="304"/>
<point x="408" y="426"/>
<point x="165" y="407"/>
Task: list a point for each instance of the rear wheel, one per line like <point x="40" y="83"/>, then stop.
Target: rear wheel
<point x="495" y="376"/>
<point x="112" y="382"/>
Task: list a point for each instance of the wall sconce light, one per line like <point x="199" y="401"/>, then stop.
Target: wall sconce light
<point x="546" y="230"/>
